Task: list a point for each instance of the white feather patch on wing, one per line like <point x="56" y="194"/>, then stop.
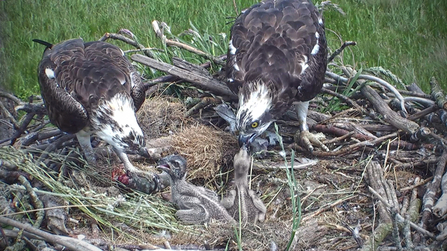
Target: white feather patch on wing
<point x="317" y="46"/>
<point x="50" y="73"/>
<point x="304" y="65"/>
<point x="236" y="67"/>
<point x="232" y="48"/>
<point x="256" y="104"/>
<point x="320" y="21"/>
<point x="120" y="111"/>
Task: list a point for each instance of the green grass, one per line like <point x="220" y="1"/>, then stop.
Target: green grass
<point x="409" y="38"/>
<point x="406" y="37"/>
<point x="54" y="21"/>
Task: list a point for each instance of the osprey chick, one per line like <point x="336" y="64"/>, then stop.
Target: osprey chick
<point x="277" y="57"/>
<point x="243" y="203"/>
<point x="91" y="88"/>
<point x="197" y="205"/>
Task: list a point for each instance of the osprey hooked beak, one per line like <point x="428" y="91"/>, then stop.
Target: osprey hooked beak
<point x="253" y="116"/>
<point x="245" y="140"/>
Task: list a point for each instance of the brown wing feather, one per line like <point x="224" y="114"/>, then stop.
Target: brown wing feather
<point x="63" y="109"/>
<point x="85" y="73"/>
<point x="138" y="91"/>
<point x="272" y="41"/>
<point x="121" y="70"/>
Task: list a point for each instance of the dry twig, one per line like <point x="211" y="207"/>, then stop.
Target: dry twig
<point x="432" y="189"/>
<point x="70" y="243"/>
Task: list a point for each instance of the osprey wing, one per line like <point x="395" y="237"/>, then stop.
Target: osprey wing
<point x="116" y="71"/>
<point x="281" y="43"/>
<point x="55" y="75"/>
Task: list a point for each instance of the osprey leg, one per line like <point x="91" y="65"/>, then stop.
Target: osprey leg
<point x="303" y="136"/>
<point x="86" y="145"/>
<point x="123" y="157"/>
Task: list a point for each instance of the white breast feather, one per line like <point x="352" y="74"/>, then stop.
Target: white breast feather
<point x="232" y="48"/>
<point x="122" y="112"/>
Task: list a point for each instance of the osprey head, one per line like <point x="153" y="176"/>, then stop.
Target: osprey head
<point x="174" y="165"/>
<point x="115" y="122"/>
<point x="254" y="114"/>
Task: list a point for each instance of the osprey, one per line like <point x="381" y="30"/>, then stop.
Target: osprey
<point x="276" y="57"/>
<point x="91" y="88"/>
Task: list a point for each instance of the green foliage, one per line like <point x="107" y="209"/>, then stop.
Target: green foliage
<point x="406" y="37"/>
<point x="55" y="21"/>
<point x="335" y="104"/>
<point x="293" y="187"/>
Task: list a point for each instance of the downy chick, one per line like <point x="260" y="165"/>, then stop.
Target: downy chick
<point x="197" y="205"/>
<point x="242" y="199"/>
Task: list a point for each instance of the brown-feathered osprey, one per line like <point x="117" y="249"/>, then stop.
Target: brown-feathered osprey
<point x="277" y="56"/>
<point x="91" y="88"/>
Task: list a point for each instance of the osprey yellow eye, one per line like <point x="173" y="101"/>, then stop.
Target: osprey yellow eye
<point x="254" y="124"/>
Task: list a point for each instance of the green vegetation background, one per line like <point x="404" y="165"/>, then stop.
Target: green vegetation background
<point x="407" y="37"/>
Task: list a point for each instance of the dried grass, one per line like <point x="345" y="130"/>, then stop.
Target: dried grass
<point x="109" y="208"/>
<point x="161" y="116"/>
<point x="208" y="151"/>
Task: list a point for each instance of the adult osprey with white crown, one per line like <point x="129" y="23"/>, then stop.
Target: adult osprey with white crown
<point x="277" y="57"/>
<point x="91" y="88"/>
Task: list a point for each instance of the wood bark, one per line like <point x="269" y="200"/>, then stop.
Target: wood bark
<point x="389" y="115"/>
<point x="199" y="79"/>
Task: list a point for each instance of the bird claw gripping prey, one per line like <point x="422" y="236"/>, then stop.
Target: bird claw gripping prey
<point x="196" y="205"/>
<point x="242" y="199"/>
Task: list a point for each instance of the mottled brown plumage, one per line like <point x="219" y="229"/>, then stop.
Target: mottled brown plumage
<point x="277" y="56"/>
<point x="242" y="199"/>
<point x="91" y="88"/>
<point x="196" y="205"/>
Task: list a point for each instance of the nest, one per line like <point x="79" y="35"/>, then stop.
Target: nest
<point x="207" y="150"/>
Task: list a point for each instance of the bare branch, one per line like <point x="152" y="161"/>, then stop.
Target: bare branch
<point x="70" y="243"/>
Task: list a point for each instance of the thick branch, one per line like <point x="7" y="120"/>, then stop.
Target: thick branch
<point x="128" y="41"/>
<point x="429" y="196"/>
<point x="70" y="243"/>
<point x="200" y="80"/>
<point x="440" y="209"/>
<point x="389" y="115"/>
<point x="438" y="94"/>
